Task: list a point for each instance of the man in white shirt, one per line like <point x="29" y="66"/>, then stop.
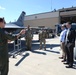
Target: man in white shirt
<point x="62" y="42"/>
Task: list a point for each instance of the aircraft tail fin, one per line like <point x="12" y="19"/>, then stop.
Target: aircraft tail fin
<point x="20" y="21"/>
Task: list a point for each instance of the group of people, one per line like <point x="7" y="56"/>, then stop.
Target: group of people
<point x="5" y="37"/>
<point x="29" y="37"/>
<point x="67" y="42"/>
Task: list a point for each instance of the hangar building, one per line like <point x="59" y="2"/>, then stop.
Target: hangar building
<point x="50" y="19"/>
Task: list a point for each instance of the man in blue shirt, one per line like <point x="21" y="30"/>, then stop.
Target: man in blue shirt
<point x="62" y="42"/>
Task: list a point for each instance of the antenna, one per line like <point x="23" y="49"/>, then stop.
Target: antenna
<point x="51" y="5"/>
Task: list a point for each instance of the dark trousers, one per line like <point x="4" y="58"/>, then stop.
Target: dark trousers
<point x="69" y="53"/>
<point x="4" y="70"/>
<point x="4" y="66"/>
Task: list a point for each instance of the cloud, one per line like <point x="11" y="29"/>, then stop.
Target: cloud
<point x="2" y="8"/>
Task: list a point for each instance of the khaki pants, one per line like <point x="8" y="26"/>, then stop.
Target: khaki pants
<point x="43" y="42"/>
<point x="28" y="43"/>
<point x="63" y="50"/>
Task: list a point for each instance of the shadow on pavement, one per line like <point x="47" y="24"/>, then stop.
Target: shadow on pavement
<point x="27" y="54"/>
<point x="35" y="47"/>
<point x="38" y="52"/>
<point x="54" y="45"/>
<point x="57" y="52"/>
<point x="51" y="47"/>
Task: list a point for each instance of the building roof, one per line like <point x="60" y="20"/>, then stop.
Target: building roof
<point x="67" y="9"/>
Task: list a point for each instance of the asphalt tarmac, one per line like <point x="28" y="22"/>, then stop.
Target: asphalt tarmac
<point x="39" y="62"/>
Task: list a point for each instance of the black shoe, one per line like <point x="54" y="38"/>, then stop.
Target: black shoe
<point x="63" y="60"/>
<point x="26" y="49"/>
<point x="66" y="63"/>
<point x="69" y="66"/>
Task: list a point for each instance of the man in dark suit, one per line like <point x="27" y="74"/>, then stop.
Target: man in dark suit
<point x="69" y="45"/>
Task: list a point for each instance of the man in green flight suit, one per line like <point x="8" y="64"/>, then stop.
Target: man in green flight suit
<point x="4" y="37"/>
<point x="42" y="37"/>
<point x="28" y="37"/>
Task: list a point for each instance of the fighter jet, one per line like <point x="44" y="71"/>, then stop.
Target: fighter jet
<point x="15" y="27"/>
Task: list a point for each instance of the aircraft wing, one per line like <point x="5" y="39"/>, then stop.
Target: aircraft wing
<point x="13" y="26"/>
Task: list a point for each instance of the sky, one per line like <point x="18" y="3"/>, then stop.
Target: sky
<point x="11" y="9"/>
